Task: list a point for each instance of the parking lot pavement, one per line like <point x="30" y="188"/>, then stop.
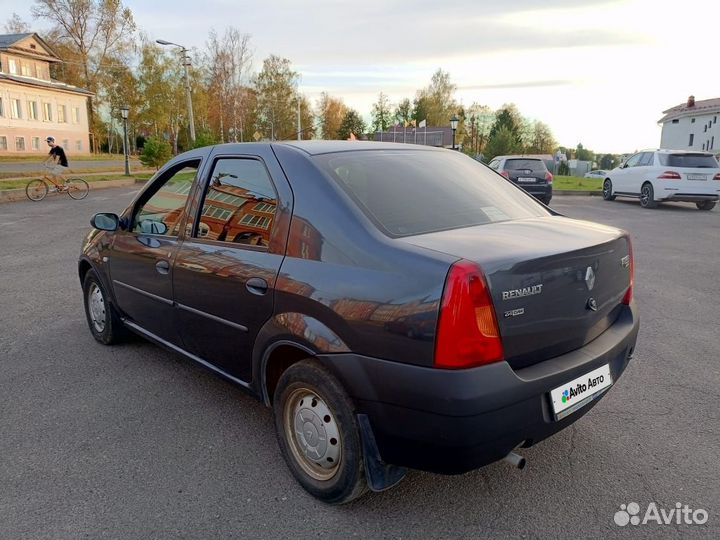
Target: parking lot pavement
<point x="135" y="442"/>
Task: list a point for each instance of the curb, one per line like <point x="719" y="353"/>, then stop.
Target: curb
<point x="565" y="192"/>
<point x="14" y="195"/>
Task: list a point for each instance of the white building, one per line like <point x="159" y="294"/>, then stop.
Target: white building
<point x="692" y="126"/>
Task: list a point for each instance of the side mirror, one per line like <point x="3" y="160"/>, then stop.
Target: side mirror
<point x="105" y="222"/>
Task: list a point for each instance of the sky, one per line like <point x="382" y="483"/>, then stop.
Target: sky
<point x="597" y="72"/>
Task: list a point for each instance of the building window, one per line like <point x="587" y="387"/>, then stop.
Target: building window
<point x="66" y="144"/>
<point x="3" y="142"/>
<point x="47" y="112"/>
<point x="704" y="129"/>
<point x="15" y="108"/>
<point x="13" y="66"/>
<point x="675" y="121"/>
<point x="692" y="139"/>
<point x="2" y="109"/>
<point x="715" y="120"/>
<point x="35" y="143"/>
<point x="20" y="144"/>
<point x="265" y="207"/>
<point x="75" y="115"/>
<point x="61" y="114"/>
<point x="26" y="70"/>
<point x="33" y="110"/>
<point x="78" y="146"/>
<point x="692" y="120"/>
<point x="703" y="147"/>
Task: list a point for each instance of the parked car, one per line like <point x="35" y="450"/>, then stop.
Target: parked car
<point x="397" y="306"/>
<point x="655" y="176"/>
<point x="529" y="173"/>
<point x="598" y="173"/>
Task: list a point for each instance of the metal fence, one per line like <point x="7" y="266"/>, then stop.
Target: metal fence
<point x="411" y="136"/>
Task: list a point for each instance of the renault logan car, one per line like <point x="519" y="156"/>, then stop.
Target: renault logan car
<point x="655" y="176"/>
<point x="396" y="306"/>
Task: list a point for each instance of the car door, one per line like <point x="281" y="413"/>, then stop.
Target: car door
<point x="141" y="256"/>
<point x="225" y="270"/>
<point x="623" y="178"/>
<point x="640" y="172"/>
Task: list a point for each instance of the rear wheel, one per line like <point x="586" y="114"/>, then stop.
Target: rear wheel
<point x="705" y="205"/>
<point x="318" y="433"/>
<point x="607" y="190"/>
<point x="77" y="188"/>
<point x="546" y="200"/>
<point x="36" y="190"/>
<point x="647" y="196"/>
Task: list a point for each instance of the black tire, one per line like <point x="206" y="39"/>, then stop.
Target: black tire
<point x="77" y="188"/>
<point x="309" y="396"/>
<point x="546" y="200"/>
<point x="111" y="330"/>
<point x="647" y="196"/>
<point x="705" y="205"/>
<point x="607" y="190"/>
<point x="35" y="190"/>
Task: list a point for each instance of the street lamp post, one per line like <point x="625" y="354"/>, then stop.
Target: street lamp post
<point x="453" y="126"/>
<point x="186" y="64"/>
<point x="125" y="111"/>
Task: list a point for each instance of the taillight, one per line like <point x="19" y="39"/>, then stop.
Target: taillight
<point x="716" y="177"/>
<point x="505" y="174"/>
<point x="629" y="293"/>
<point x="468" y="333"/>
<point x="670" y="175"/>
<point x="549" y="177"/>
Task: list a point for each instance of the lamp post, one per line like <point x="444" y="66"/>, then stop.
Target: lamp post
<point x="453" y="126"/>
<point x="186" y="63"/>
<point x="125" y="111"/>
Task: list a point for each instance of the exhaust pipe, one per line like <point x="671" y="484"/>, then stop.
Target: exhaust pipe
<point x="515" y="460"/>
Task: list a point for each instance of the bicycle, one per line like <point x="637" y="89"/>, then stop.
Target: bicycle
<point x="37" y="189"/>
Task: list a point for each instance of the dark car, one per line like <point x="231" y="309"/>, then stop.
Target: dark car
<point x="530" y="173"/>
<point x="396" y="306"/>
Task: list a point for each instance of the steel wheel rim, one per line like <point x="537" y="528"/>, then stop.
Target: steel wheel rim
<point x="606" y="188"/>
<point x="645" y="195"/>
<point x="312" y="434"/>
<point x="96" y="307"/>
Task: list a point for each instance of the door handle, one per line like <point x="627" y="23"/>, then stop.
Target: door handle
<point x="163" y="267"/>
<point x="257" y="286"/>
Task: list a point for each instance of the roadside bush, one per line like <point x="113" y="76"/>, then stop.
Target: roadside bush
<point x="155" y="152"/>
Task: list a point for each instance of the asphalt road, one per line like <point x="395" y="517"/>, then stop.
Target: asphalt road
<point x="135" y="442"/>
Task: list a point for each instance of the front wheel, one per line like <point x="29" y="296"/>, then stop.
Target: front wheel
<point x="77" y="188"/>
<point x="647" y="196"/>
<point x="607" y="190"/>
<point x="318" y="433"/>
<point x="104" y="322"/>
<point x="705" y="205"/>
<point x="36" y="190"/>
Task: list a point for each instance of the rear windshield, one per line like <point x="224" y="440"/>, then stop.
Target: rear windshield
<point x="415" y="192"/>
<point x="702" y="161"/>
<point x="534" y="165"/>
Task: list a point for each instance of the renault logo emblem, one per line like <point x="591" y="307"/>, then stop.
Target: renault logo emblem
<point x="592" y="304"/>
<point x="589" y="278"/>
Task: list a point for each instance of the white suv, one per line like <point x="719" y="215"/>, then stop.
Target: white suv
<point x="654" y="176"/>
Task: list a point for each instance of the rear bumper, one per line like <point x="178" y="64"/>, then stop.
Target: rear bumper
<point x="454" y="421"/>
<point x="539" y="191"/>
<point x="691" y="197"/>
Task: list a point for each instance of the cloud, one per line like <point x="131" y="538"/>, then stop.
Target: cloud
<point x="521" y="84"/>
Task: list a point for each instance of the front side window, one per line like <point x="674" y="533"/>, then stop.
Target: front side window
<point x="162" y="212"/>
<point x="240" y="203"/>
<point x="633" y="161"/>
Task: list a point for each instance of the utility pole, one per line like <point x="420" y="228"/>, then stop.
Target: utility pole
<point x="188" y="95"/>
<point x="299" y="125"/>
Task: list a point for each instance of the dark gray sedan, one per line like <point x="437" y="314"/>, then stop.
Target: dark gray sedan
<point x="397" y="306"/>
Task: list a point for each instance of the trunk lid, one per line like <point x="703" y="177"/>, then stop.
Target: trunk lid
<point x="556" y="283"/>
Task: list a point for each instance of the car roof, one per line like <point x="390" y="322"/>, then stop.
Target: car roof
<point x="314" y="148"/>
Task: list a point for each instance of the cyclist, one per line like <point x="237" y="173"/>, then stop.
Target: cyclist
<point x="59" y="159"/>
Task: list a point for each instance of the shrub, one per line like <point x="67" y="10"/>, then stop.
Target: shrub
<point x="155" y="152"/>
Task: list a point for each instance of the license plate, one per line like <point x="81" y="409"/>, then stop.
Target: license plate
<point x="697" y="177"/>
<point x="573" y="395"/>
<point x="526" y="180"/>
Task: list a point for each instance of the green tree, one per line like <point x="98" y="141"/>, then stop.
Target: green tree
<point x="502" y="142"/>
<point x="436" y="102"/>
<point x="508" y="117"/>
<point x="583" y="154"/>
<point x="381" y="113"/>
<point x="351" y="123"/>
<point x="404" y="112"/>
<point x="276" y="87"/>
<point x="542" y="140"/>
<point x="155" y="152"/>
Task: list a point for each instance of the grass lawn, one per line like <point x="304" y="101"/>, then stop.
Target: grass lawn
<point x="17" y="184"/>
<point x="575" y="183"/>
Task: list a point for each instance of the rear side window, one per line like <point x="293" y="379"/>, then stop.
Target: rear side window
<point x="534" y="165"/>
<point x="415" y="192"/>
<point x="702" y="161"/>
